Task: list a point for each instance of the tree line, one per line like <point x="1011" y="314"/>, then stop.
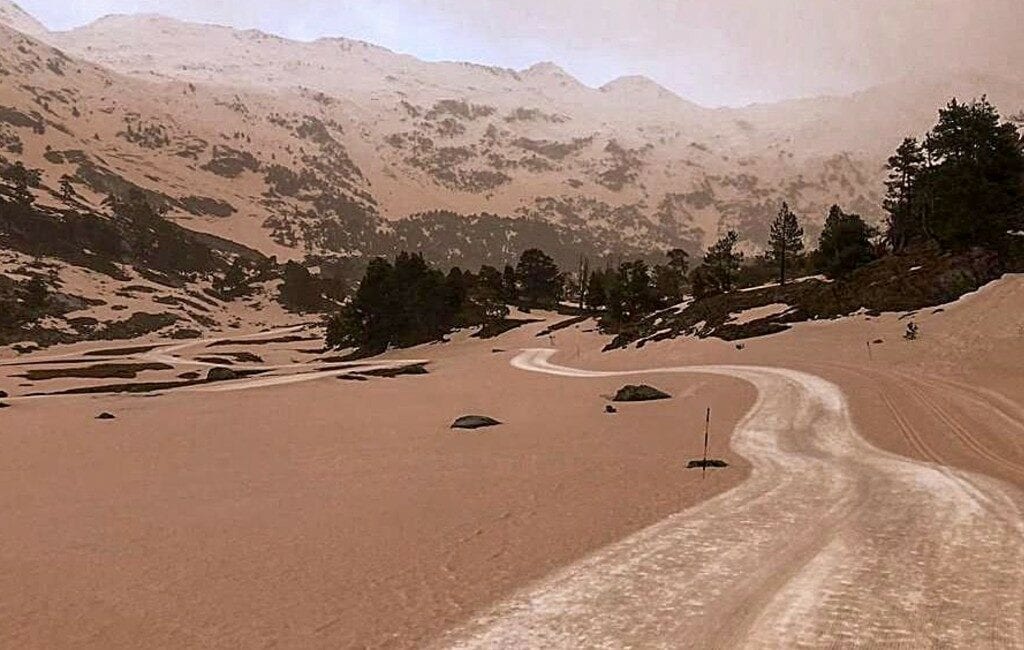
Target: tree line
<point x="408" y="301"/>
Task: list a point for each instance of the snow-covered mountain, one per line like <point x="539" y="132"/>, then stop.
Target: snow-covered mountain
<point x="330" y="146"/>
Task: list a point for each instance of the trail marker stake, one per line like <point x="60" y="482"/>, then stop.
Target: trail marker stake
<point x="707" y="428"/>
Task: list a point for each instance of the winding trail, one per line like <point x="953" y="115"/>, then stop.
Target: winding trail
<point x="831" y="541"/>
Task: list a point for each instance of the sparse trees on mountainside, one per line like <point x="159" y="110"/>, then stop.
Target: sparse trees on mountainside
<point x="236" y="282"/>
<point x="845" y="243"/>
<point x="785" y="241"/>
<point x="21" y="179"/>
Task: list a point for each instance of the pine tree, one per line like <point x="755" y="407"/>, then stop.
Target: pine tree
<point x="786" y="240"/>
<point x="902" y="200"/>
<point x="488" y="295"/>
<point x="721" y="264"/>
<point x="597" y="296"/>
<point x="509" y="285"/>
<point x="975" y="187"/>
<point x="67" y="190"/>
<point x="670" y="279"/>
<point x="631" y="295"/>
<point x="539" y="280"/>
<point x="845" y="243"/>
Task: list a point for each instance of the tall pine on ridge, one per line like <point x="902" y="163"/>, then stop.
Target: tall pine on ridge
<point x="786" y="240"/>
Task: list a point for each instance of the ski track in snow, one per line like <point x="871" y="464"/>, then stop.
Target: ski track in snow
<point x="830" y="541"/>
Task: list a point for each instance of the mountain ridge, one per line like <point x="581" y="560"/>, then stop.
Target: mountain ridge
<point x="293" y="147"/>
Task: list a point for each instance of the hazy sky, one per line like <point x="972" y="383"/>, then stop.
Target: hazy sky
<point x="710" y="51"/>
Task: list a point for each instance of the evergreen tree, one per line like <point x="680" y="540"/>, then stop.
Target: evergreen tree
<point x="235" y="282"/>
<point x="540" y="283"/>
<point x="631" y="295"/>
<point x="721" y="264"/>
<point x="975" y="183"/>
<point x="678" y="260"/>
<point x="670" y="279"/>
<point x="371" y="317"/>
<point x="67" y="189"/>
<point x="597" y="296"/>
<point x="299" y="290"/>
<point x="401" y="304"/>
<point x="902" y="199"/>
<point x="457" y="288"/>
<point x="22" y="178"/>
<point x="845" y="243"/>
<point x="700" y="283"/>
<point x="489" y="279"/>
<point x="510" y="285"/>
<point x="786" y="240"/>
<point x="488" y="295"/>
<point x="35" y="296"/>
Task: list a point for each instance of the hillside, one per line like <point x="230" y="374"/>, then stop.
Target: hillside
<point x="328" y="147"/>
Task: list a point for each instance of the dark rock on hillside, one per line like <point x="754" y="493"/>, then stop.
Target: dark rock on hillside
<point x="474" y="422"/>
<point x="106" y="416"/>
<point x="641" y="393"/>
<point x="221" y="374"/>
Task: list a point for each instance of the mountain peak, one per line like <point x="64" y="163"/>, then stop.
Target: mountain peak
<point x="547" y="69"/>
<point x="18" y="19"/>
<point x="121" y="21"/>
<point x="632" y="84"/>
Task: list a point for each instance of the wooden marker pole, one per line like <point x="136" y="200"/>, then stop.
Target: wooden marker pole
<point x="707" y="429"/>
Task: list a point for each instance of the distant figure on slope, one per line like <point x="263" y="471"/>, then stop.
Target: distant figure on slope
<point x="912" y="331"/>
